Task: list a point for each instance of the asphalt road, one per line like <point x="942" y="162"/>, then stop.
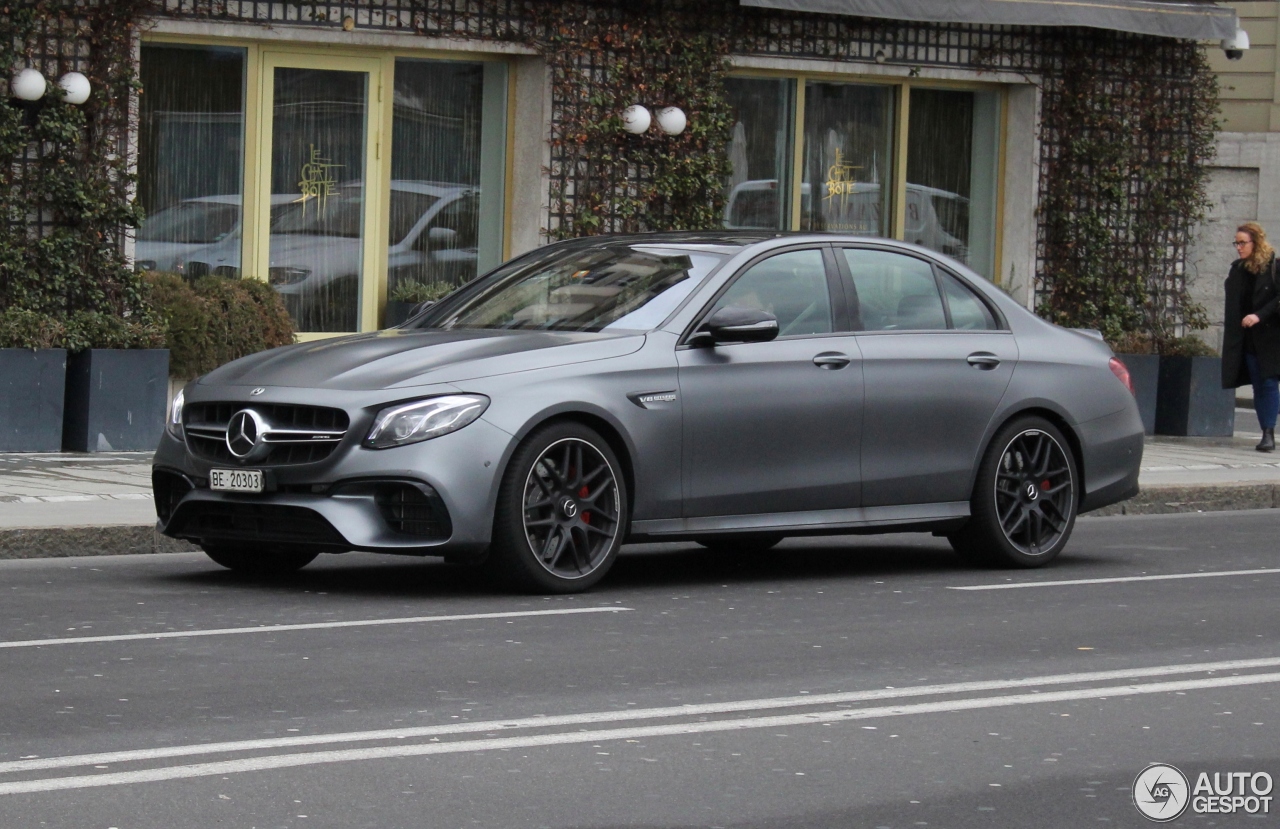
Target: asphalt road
<point x="832" y="683"/>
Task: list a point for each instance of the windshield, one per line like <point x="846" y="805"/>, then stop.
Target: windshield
<point x="191" y="223"/>
<point x="613" y="286"/>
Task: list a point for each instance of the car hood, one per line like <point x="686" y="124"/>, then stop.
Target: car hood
<point x="403" y="358"/>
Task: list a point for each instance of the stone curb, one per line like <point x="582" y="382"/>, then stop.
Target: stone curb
<point x="1165" y="500"/>
<point x="62" y="542"/>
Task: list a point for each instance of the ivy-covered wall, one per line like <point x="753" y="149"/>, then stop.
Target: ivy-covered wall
<point x="1126" y="132"/>
<point x="65" y="201"/>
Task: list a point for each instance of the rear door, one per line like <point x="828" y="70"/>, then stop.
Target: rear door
<point x="774" y="427"/>
<point x="936" y="362"/>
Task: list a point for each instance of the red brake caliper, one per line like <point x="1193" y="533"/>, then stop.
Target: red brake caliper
<point x="586" y="516"/>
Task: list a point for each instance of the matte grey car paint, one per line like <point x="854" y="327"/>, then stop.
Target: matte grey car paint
<point x="739" y="437"/>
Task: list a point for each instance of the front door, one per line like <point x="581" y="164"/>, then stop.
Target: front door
<point x="319" y="191"/>
<point x="774" y="427"/>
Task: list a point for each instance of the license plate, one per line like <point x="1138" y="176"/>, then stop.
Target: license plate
<point x="235" y="480"/>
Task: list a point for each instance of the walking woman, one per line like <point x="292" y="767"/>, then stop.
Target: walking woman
<point x="1251" y="328"/>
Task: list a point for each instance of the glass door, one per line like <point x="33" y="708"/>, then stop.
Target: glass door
<point x="319" y="188"/>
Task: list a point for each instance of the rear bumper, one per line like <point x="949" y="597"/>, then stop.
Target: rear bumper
<point x="1112" y="450"/>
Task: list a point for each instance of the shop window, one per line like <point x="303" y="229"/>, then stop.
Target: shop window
<point x="848" y="149"/>
<point x="447" y="171"/>
<point x="190" y="154"/>
<point x="759" y="188"/>
<point x="952" y="148"/>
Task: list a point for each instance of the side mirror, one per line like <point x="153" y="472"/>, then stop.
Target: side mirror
<point x="441" y="238"/>
<point x="420" y="307"/>
<point x="737" y="324"/>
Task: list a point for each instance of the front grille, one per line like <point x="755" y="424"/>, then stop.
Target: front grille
<point x="206" y="429"/>
<point x="409" y="510"/>
<point x="263" y="523"/>
<point x="168" y="488"/>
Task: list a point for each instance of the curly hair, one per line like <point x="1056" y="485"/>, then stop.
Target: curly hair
<point x="1260" y="259"/>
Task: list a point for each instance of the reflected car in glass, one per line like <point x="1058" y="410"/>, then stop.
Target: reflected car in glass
<point x="317" y="248"/>
<point x="730" y="388"/>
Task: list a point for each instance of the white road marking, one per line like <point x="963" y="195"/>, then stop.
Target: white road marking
<point x="1117" y="580"/>
<point x="598" y="717"/>
<point x="579" y="736"/>
<point x="358" y="623"/>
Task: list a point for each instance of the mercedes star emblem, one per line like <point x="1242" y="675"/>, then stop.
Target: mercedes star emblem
<point x="244" y="432"/>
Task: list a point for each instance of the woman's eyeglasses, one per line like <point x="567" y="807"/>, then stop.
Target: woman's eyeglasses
<point x="1240" y="244"/>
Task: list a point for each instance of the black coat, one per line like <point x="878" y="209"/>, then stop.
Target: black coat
<point x="1265" y="335"/>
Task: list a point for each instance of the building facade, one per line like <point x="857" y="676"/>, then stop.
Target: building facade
<point x="345" y="151"/>
<point x="1244" y="181"/>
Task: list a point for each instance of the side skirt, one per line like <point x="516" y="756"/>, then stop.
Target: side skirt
<point x="903" y="518"/>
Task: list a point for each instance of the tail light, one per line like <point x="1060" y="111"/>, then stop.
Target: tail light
<point x="1122" y="374"/>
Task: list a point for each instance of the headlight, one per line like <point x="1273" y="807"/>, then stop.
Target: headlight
<point x="175" y="417"/>
<point x="287" y="276"/>
<point x="423" y="420"/>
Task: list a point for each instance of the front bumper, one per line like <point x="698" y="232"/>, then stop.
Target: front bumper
<point x="430" y="498"/>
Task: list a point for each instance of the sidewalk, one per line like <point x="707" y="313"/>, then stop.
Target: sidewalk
<point x="77" y="504"/>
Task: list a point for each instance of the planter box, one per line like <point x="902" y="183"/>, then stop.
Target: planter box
<point x="398" y="312"/>
<point x="1144" y="373"/>
<point x="115" y="400"/>
<point x="1192" y="400"/>
<point x="32" y="387"/>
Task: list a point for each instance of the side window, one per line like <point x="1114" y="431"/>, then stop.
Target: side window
<point x="894" y="292"/>
<point x="792" y="286"/>
<point x="968" y="312"/>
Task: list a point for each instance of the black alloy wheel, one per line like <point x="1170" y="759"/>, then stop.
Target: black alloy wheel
<point x="1024" y="502"/>
<point x="562" y="511"/>
<point x="254" y="561"/>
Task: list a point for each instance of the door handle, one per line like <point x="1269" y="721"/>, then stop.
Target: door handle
<point x="831" y="360"/>
<point x="983" y="360"/>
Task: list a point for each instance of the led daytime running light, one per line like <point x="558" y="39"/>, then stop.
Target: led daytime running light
<point x="424" y="419"/>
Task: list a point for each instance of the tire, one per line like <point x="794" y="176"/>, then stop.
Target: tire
<point x="254" y="561"/>
<point x="1024" y="500"/>
<point x="744" y="543"/>
<point x="561" y="513"/>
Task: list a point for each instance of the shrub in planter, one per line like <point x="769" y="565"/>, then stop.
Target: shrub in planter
<point x="117" y="382"/>
<point x="32" y="376"/>
<point x="409" y="295"/>
<point x="217" y="320"/>
<point x="1191" y="398"/>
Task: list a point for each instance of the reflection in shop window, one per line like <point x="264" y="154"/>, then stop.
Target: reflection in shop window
<point x="759" y="187"/>
<point x="318" y="182"/>
<point x="190" y="154"/>
<point x="447" y="171"/>
<point x="848" y="147"/>
<point x="952" y="148"/>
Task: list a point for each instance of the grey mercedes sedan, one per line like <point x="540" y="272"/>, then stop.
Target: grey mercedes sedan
<point x="728" y="388"/>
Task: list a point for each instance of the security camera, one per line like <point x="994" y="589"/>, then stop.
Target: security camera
<point x="1236" y="46"/>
